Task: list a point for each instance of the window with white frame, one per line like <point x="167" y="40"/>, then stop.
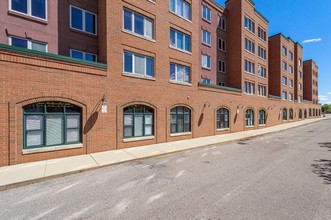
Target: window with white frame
<point x="290" y="55"/>
<point x="300" y="74"/>
<point x="284" y="51"/>
<point x="284" y="114"/>
<point x="206" y="80"/>
<point x="291" y="114"/>
<point x="262" y="53"/>
<point x="249" y="24"/>
<point x="221" y="83"/>
<point x="262" y="90"/>
<point x="290" y="97"/>
<point x="300" y="98"/>
<point x="290" y="69"/>
<point x="138" y="64"/>
<point x="27" y="44"/>
<point x="206" y="37"/>
<point x="221" y="66"/>
<point x="180" y="40"/>
<point x="249" y="88"/>
<point x="206" y="13"/>
<point x="138" y="24"/>
<point x="284" y="65"/>
<point x="83" y="55"/>
<point x="249" y="67"/>
<point x="262" y="71"/>
<point x="262" y="34"/>
<point x="262" y="117"/>
<point x="249" y="45"/>
<point x="221" y="44"/>
<point x="181" y="8"/>
<point x="222" y="118"/>
<point x="249" y="118"/>
<point x="299" y="62"/>
<point x="179" y="73"/>
<point x="83" y="20"/>
<point x="32" y="8"/>
<point x="222" y="23"/>
<point x="284" y="80"/>
<point x="284" y="95"/>
<point x="290" y="83"/>
<point x="206" y="61"/>
<point x="300" y="86"/>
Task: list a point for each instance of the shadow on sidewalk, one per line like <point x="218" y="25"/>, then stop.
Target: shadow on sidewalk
<point x="325" y="144"/>
<point x="323" y="169"/>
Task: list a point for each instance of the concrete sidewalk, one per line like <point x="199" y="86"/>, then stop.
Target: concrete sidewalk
<point x="22" y="174"/>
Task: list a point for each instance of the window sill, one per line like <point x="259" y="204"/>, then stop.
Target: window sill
<point x="126" y="140"/>
<point x="39" y="20"/>
<point x="138" y="76"/>
<point x="49" y="149"/>
<point x="249" y="31"/>
<point x="152" y="1"/>
<point x="223" y="129"/>
<point x="83" y="32"/>
<point x="180" y="134"/>
<point x="180" y="50"/>
<point x="262" y="77"/>
<point x="180" y="83"/>
<point x="206" y="68"/>
<point x="249" y="52"/>
<point x="204" y="19"/>
<point x="137" y="35"/>
<point x="180" y="16"/>
<point x="263" y="125"/>
<point x="250" y="126"/>
<point x="253" y="74"/>
<point x="206" y="44"/>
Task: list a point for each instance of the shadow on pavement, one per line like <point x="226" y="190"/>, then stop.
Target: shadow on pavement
<point x="323" y="169"/>
<point x="325" y="144"/>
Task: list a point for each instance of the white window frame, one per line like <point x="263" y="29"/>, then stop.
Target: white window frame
<point x="285" y="69"/>
<point x="221" y="63"/>
<point x="250" y="65"/>
<point x="176" y="74"/>
<point x="29" y="43"/>
<point x="250" y="21"/>
<point x="290" y="83"/>
<point x="176" y="11"/>
<point x="290" y="97"/>
<point x="251" y="86"/>
<point x="133" y="23"/>
<point x="263" y="72"/>
<point x="290" y="69"/>
<point x="84" y="22"/>
<point x="84" y="55"/>
<point x="262" y="90"/>
<point x="284" y="95"/>
<point x="208" y="10"/>
<point x="250" y="45"/>
<point x="284" y="84"/>
<point x="184" y="42"/>
<point x="222" y="21"/>
<point x="262" y="53"/>
<point x="207" y="34"/>
<point x="207" y="56"/>
<point x="220" y="44"/>
<point x="133" y="64"/>
<point x="29" y="12"/>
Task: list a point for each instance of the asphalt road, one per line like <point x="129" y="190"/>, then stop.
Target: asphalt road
<point x="284" y="175"/>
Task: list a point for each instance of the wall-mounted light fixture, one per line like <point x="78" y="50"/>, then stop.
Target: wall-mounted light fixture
<point x="104" y="105"/>
<point x="240" y="105"/>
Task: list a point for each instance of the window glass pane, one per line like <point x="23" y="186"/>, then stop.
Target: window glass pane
<point x="180" y="73"/>
<point x="90" y="23"/>
<point x="139" y="24"/>
<point x="73" y="121"/>
<point x="149" y="66"/>
<point x="77" y="54"/>
<point x="139" y="65"/>
<point x="149" y="28"/>
<point x="34" y="108"/>
<point x="173" y="119"/>
<point x="127" y="20"/>
<point x="34" y="122"/>
<point x="173" y="128"/>
<point x="148" y="119"/>
<point x="54" y="109"/>
<point x="187" y="10"/>
<point x="138" y="125"/>
<point x="180" y="7"/>
<point x="76" y="18"/>
<point x="128" y="119"/>
<point x="148" y="130"/>
<point x="54" y="130"/>
<point x="20" y="5"/>
<point x="128" y="131"/>
<point x="38" y="8"/>
<point x="180" y="38"/>
<point x="172" y="38"/>
<point x="34" y="138"/>
<point x="39" y="47"/>
<point x="172" y="71"/>
<point x="187" y="75"/>
<point x="187" y="43"/>
<point x="128" y="62"/>
<point x="73" y="135"/>
<point x="172" y="5"/>
<point x="19" y="42"/>
<point x="180" y="124"/>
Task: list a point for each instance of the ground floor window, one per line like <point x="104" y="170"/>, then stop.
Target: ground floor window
<point x="51" y="124"/>
<point x="284" y="114"/>
<point x="310" y="112"/>
<point x="291" y="114"/>
<point x="222" y="120"/>
<point x="300" y="114"/>
<point x="180" y="120"/>
<point x="249" y="118"/>
<point x="262" y="117"/>
<point x="138" y="121"/>
<point x="306" y="113"/>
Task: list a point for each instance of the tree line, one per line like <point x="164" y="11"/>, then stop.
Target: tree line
<point x="326" y="108"/>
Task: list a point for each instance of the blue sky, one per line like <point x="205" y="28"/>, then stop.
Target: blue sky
<point x="303" y="20"/>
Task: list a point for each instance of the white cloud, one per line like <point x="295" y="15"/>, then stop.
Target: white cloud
<point x="312" y="40"/>
<point x="323" y="99"/>
<point x="329" y="93"/>
<point x="322" y="96"/>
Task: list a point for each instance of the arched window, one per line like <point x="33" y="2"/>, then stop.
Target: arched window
<point x="314" y="112"/>
<point x="180" y="120"/>
<point x="284" y="114"/>
<point x="249" y="118"/>
<point x="138" y="121"/>
<point x="291" y="114"/>
<point x="51" y="124"/>
<point x="310" y="112"/>
<point x="262" y="117"/>
<point x="222" y="120"/>
<point x="306" y="113"/>
<point x="300" y="114"/>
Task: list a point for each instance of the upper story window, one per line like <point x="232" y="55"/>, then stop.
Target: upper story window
<point x="180" y="40"/>
<point x="262" y="71"/>
<point x="284" y="81"/>
<point x="284" y="95"/>
<point x="262" y="53"/>
<point x="179" y="73"/>
<point x="284" y="51"/>
<point x="222" y="23"/>
<point x="221" y="45"/>
<point x="262" y="34"/>
<point x="83" y="20"/>
<point x="300" y="74"/>
<point x="206" y="37"/>
<point x="138" y="64"/>
<point x="290" y="55"/>
<point x="249" y="45"/>
<point x="181" y="8"/>
<point x="290" y="69"/>
<point x="299" y="62"/>
<point x="249" y="24"/>
<point x="249" y="88"/>
<point x="206" y="13"/>
<point x="290" y="83"/>
<point x="300" y="86"/>
<point x="221" y="66"/>
<point x="206" y="80"/>
<point x="284" y="65"/>
<point x="290" y="97"/>
<point x="138" y="24"/>
<point x="249" y="67"/>
<point x="262" y="90"/>
<point x="83" y="55"/>
<point x="32" y="8"/>
<point x="28" y="44"/>
<point x="206" y="61"/>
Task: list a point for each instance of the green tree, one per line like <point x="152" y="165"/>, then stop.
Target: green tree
<point x="326" y="108"/>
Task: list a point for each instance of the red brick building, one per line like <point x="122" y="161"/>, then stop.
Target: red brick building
<point x="91" y="76"/>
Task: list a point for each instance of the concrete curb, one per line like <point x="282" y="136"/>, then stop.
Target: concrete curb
<point x="23" y="174"/>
